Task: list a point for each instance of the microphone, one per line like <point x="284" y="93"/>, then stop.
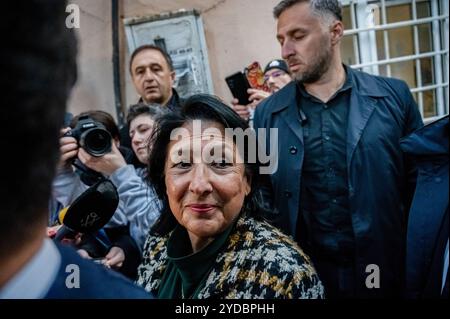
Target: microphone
<point x="90" y="211"/>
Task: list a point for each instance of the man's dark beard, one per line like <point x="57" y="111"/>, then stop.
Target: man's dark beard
<point x="316" y="69"/>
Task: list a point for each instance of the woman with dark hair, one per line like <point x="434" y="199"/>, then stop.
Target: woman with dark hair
<point x="210" y="241"/>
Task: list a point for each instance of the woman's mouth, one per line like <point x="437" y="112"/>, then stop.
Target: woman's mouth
<point x="201" y="208"/>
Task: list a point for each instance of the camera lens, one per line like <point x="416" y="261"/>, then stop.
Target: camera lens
<point x="96" y="142"/>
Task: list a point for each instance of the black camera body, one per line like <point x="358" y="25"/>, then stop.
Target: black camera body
<point x="92" y="136"/>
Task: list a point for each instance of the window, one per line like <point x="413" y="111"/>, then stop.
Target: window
<point x="181" y="35"/>
<point x="402" y="39"/>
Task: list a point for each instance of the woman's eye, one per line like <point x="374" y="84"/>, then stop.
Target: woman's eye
<point x="182" y="165"/>
<point x="143" y="130"/>
<point x="221" y="164"/>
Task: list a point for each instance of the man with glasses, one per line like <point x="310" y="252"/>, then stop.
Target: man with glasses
<point x="276" y="76"/>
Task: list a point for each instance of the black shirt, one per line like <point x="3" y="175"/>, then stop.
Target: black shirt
<point x="325" y="226"/>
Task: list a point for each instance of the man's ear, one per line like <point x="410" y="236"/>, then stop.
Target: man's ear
<point x="337" y="31"/>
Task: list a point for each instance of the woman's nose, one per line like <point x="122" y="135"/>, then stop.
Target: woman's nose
<point x="200" y="183"/>
<point x="136" y="139"/>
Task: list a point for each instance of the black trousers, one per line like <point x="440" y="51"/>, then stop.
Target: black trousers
<point x="339" y="279"/>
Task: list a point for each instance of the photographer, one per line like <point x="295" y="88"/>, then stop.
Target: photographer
<point x="138" y="206"/>
<point x="67" y="189"/>
<point x="98" y="133"/>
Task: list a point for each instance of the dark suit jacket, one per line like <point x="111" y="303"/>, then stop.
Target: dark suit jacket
<point x="96" y="282"/>
<point x="381" y="111"/>
<point x="428" y="229"/>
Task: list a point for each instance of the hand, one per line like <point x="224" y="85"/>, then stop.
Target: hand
<point x="74" y="241"/>
<point x="68" y="149"/>
<point x="115" y="257"/>
<point x="242" y="110"/>
<point x="51" y="231"/>
<point x="256" y="96"/>
<point x="83" y="253"/>
<point x="106" y="164"/>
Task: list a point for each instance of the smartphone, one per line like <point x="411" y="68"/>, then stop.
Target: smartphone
<point x="255" y="76"/>
<point x="239" y="85"/>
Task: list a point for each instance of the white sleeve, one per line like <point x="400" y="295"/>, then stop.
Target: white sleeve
<point x="67" y="186"/>
<point x="138" y="201"/>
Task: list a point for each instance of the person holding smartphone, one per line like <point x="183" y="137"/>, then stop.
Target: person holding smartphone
<point x="276" y="76"/>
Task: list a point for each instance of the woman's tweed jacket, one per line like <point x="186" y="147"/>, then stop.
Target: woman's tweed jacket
<point x="258" y="261"/>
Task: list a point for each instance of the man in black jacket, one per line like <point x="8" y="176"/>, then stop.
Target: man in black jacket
<point x="152" y="72"/>
<point x="342" y="186"/>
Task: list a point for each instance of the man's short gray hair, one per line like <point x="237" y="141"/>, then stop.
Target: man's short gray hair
<point x="322" y="8"/>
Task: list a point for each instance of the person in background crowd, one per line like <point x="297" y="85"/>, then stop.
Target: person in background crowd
<point x="138" y="204"/>
<point x="428" y="226"/>
<point x="124" y="254"/>
<point x="153" y="75"/>
<point x="276" y="76"/>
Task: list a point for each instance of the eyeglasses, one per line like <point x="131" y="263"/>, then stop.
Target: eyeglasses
<point x="274" y="75"/>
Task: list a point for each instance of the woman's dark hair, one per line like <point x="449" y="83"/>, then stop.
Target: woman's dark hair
<point x="206" y="108"/>
<point x="102" y="117"/>
<point x="152" y="110"/>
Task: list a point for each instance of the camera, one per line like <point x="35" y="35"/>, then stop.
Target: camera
<point x="92" y="136"/>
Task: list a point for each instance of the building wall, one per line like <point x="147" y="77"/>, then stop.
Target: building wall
<point x="237" y="33"/>
<point x="94" y="88"/>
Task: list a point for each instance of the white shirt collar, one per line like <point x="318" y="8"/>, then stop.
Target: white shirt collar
<point x="36" y="277"/>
